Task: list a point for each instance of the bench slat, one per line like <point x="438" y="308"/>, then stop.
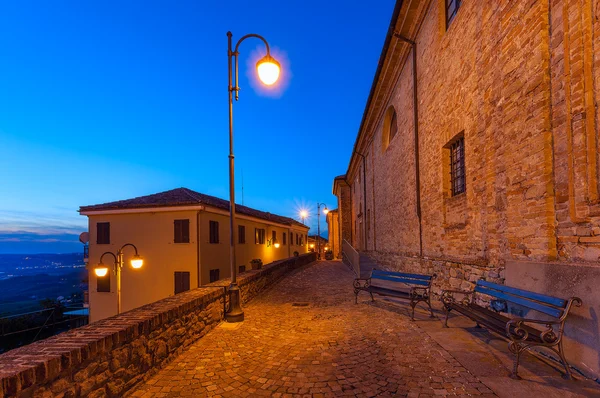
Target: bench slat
<point x="555" y="301"/>
<point x="401" y="280"/>
<point x="401" y="274"/>
<point x="521" y="301"/>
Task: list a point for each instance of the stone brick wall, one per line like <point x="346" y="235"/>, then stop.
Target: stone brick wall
<point x="109" y="357"/>
<point x="520" y="80"/>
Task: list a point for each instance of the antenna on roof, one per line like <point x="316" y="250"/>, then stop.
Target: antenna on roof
<point x="242" y="187"/>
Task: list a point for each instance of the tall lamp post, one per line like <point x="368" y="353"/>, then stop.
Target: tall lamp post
<point x="325" y="211"/>
<point x="101" y="270"/>
<point x="268" y="71"/>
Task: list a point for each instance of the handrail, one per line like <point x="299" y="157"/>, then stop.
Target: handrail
<point x="351" y="257"/>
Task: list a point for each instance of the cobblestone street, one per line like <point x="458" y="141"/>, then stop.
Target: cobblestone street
<point x="306" y="337"/>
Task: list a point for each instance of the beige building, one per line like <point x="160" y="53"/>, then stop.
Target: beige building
<point x="183" y="237"/>
<point x="333" y="229"/>
<point x="478" y="152"/>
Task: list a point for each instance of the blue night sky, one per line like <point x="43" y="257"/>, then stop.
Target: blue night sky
<point x="108" y="100"/>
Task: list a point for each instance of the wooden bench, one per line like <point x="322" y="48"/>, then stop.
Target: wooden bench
<point x="519" y="332"/>
<point x="413" y="287"/>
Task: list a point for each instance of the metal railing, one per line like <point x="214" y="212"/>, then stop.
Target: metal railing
<point x="351" y="257"/>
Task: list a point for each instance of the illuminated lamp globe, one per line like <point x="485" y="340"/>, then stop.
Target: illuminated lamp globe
<point x="268" y="70"/>
<point x="276" y="245"/>
<point x="325" y="211"/>
<point x="303" y="214"/>
<point x="101" y="270"/>
<point x="312" y="245"/>
<point x="137" y="262"/>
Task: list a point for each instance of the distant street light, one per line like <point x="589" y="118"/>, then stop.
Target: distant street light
<point x="303" y="215"/>
<point x="101" y="270"/>
<point x="268" y="72"/>
<point x="325" y="211"/>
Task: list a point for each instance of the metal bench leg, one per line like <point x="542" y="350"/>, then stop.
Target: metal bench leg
<point x="356" y="296"/>
<point x="561" y="352"/>
<point x="372" y="299"/>
<point x="430" y="309"/>
<point x="413" y="304"/>
<point x="447" y="314"/>
<point x="516" y="349"/>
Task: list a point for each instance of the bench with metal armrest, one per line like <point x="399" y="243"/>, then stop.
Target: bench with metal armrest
<point x="413" y="287"/>
<point x="519" y="332"/>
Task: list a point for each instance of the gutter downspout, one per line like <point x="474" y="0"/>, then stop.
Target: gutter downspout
<point x="198" y="245"/>
<point x="416" y="134"/>
<point x="364" y="184"/>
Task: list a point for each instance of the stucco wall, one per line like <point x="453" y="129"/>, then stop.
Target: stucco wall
<point x="152" y="233"/>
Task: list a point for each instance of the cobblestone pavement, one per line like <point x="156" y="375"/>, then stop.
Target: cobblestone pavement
<point x="305" y="337"/>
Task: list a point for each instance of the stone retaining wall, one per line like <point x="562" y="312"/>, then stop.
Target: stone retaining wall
<point x="109" y="357"/>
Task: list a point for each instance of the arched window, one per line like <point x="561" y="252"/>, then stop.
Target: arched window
<point x="390" y="127"/>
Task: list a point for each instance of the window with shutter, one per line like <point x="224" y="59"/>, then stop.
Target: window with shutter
<point x="214" y="232"/>
<point x="181" y="233"/>
<point x="241" y="234"/>
<point x="283" y="239"/>
<point x="182" y="282"/>
<point x="214" y="275"/>
<point x="103" y="233"/>
<point x="103" y="283"/>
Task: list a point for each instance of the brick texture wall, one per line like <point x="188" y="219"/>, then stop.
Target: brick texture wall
<point x="107" y="358"/>
<point x="524" y="98"/>
<point x="521" y="81"/>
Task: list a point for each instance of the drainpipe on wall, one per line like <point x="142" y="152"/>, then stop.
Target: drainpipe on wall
<point x="416" y="134"/>
<point x="198" y="245"/>
<point x="364" y="184"/>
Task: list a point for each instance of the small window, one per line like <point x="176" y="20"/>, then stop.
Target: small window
<point x="103" y="283"/>
<point x="214" y="275"/>
<point x="182" y="282"/>
<point x="291" y="239"/>
<point x="103" y="233"/>
<point x="214" y="232"/>
<point x="242" y="269"/>
<point x="259" y="236"/>
<point x="241" y="234"/>
<point x="457" y="166"/>
<point x="181" y="231"/>
<point x="297" y="239"/>
<point x="284" y="239"/>
<point x="390" y="128"/>
<point x="273" y="237"/>
<point x="452" y="7"/>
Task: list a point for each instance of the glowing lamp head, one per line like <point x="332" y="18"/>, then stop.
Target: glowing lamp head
<point x="312" y="245"/>
<point x="326" y="248"/>
<point x="137" y="262"/>
<point x="325" y="211"/>
<point x="276" y="245"/>
<point x="101" y="270"/>
<point x="303" y="214"/>
<point x="268" y="70"/>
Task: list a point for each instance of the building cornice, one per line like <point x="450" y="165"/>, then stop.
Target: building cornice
<point x="406" y="20"/>
<point x="207" y="209"/>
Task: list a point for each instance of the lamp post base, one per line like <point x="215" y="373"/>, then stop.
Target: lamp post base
<point x="234" y="312"/>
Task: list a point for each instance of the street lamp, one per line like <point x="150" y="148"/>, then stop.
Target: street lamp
<point x="101" y="269"/>
<point x="303" y="215"/>
<point x="325" y="211"/>
<point x="268" y="72"/>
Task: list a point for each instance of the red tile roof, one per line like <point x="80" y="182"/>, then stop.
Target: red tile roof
<point x="187" y="197"/>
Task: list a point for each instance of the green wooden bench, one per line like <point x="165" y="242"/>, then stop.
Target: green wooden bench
<point x="413" y="287"/>
<point x="519" y="332"/>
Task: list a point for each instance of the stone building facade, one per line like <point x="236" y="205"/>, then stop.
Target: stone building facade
<point x="478" y="153"/>
<point x="333" y="229"/>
